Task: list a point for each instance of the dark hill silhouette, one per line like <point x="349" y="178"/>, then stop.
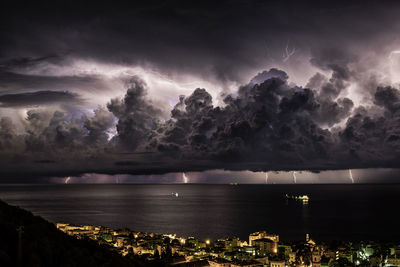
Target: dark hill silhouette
<point x="44" y="245"/>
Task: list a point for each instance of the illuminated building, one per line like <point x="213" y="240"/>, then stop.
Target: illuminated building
<point x="345" y="254"/>
<point x="264" y="251"/>
<point x="284" y="249"/>
<point x="277" y="263"/>
<point x="263" y="234"/>
<point x="219" y="263"/>
<point x="249" y="250"/>
<point x="121" y="240"/>
<point x="229" y="243"/>
<point x="242" y="243"/>
<point x="246" y="264"/>
<point x="393" y="261"/>
<point x="292" y="257"/>
<point x="61" y="225"/>
<point x="316" y="259"/>
<point x="266" y="245"/>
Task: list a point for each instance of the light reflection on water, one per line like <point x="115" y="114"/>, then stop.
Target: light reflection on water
<point x="212" y="211"/>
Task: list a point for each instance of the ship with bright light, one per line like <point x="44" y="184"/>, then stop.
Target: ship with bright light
<point x="304" y="198"/>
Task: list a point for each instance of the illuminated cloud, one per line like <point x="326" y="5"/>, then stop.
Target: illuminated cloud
<point x="38" y="98"/>
<point x="179" y="87"/>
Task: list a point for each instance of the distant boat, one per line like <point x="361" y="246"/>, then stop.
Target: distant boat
<point x="304" y="198"/>
<point x="175" y="194"/>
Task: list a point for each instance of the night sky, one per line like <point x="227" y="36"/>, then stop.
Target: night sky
<point x="189" y="86"/>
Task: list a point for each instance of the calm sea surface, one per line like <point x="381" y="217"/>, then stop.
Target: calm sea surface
<point x="345" y="212"/>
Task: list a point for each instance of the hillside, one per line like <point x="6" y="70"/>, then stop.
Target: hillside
<point x="43" y="245"/>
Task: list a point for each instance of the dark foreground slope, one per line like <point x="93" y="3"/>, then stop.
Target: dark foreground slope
<point x="44" y="245"/>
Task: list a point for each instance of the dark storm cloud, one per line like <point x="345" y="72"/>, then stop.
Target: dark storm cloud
<point x="38" y="98"/>
<point x="7" y="134"/>
<point x="58" y="132"/>
<point x="136" y="118"/>
<point x="223" y="39"/>
<point x="18" y="82"/>
<point x="30" y="62"/>
<point x="268" y="124"/>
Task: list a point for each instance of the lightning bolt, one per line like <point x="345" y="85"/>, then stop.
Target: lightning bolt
<point x="351" y="176"/>
<point x="67" y="180"/>
<point x="294" y="177"/>
<point x="287" y="54"/>
<point x="185" y="178"/>
<point x="266" y="177"/>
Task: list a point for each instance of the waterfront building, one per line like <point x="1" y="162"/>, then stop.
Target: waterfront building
<point x="264" y="251"/>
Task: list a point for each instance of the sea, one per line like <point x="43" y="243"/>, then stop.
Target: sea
<point x="334" y="211"/>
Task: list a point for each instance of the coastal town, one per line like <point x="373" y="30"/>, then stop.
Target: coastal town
<point x="261" y="249"/>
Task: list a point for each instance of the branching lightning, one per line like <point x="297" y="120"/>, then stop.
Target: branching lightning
<point x="67" y="180"/>
<point x="288" y="53"/>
